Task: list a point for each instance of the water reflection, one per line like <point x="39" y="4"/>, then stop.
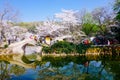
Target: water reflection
<point x="17" y="70"/>
<point x="114" y="67"/>
<point x="7" y="70"/>
<point x="4" y="72"/>
<point x="74" y="71"/>
<point x="92" y="70"/>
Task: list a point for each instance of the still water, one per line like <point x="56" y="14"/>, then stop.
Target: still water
<point x="92" y="70"/>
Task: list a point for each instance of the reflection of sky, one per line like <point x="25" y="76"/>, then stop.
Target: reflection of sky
<point x="94" y="68"/>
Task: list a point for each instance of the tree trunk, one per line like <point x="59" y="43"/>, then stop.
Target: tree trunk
<point x="3" y="35"/>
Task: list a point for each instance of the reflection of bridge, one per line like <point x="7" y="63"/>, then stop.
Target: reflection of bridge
<point x="15" y="53"/>
<point x="16" y="59"/>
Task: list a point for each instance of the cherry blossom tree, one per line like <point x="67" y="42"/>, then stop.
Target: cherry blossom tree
<point x="49" y="27"/>
<point x="103" y="17"/>
<point x="7" y="16"/>
<point x="64" y="26"/>
<point x="68" y="16"/>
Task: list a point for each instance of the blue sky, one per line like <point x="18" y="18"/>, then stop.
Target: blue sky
<point x="37" y="10"/>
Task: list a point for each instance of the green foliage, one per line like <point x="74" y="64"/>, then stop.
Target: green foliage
<point x="6" y="45"/>
<point x="61" y="47"/>
<point x="117" y="9"/>
<point x="89" y="28"/>
<point x="31" y="29"/>
<point x="118" y="16"/>
<point x="81" y="48"/>
<point x="22" y="24"/>
<point x="46" y="49"/>
<point x="28" y="25"/>
<point x="66" y="47"/>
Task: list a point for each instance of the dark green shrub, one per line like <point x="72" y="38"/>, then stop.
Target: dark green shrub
<point x="66" y="47"/>
<point x="47" y="49"/>
<point x="61" y="47"/>
<point x="6" y="45"/>
<point x="81" y="48"/>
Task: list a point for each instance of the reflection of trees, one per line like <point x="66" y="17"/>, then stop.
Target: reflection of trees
<point x="6" y="69"/>
<point x="71" y="73"/>
<point x="114" y="67"/>
<point x="17" y="70"/>
<point x="4" y="73"/>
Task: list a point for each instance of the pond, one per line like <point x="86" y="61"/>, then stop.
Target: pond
<point x="90" y="70"/>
